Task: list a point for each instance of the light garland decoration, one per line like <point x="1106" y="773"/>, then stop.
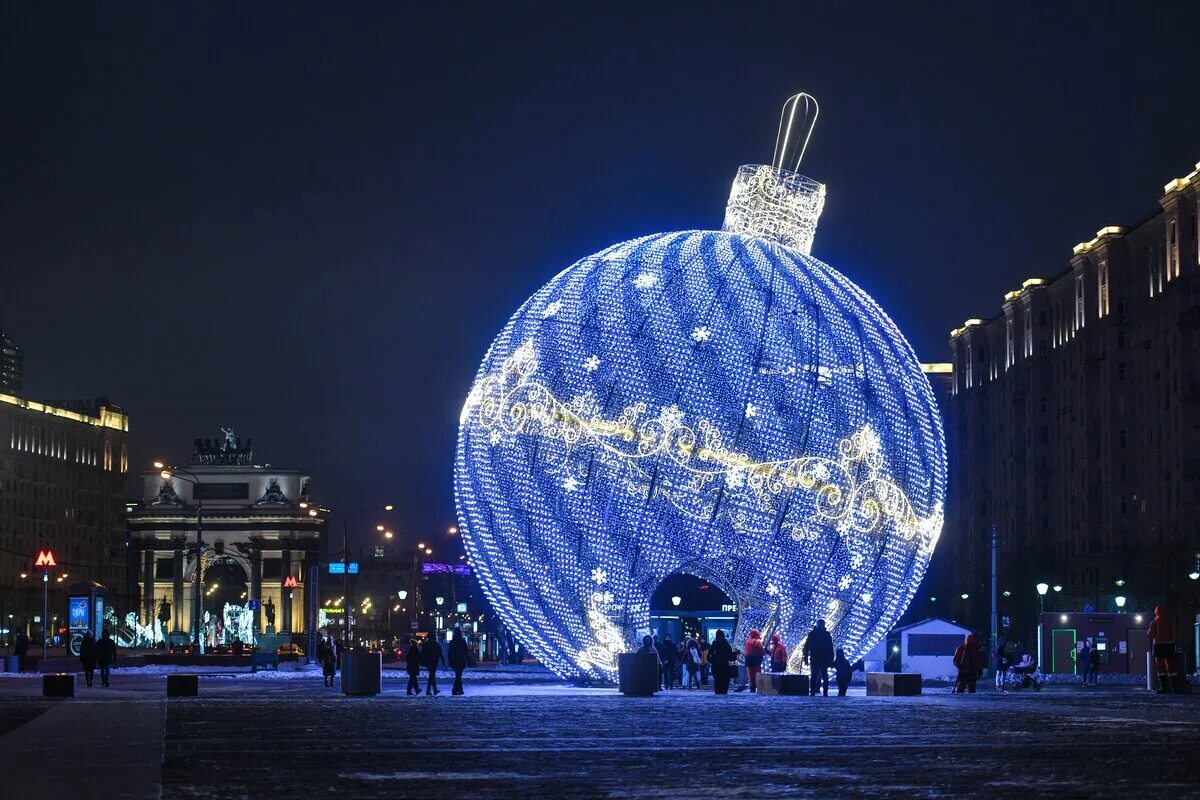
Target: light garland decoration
<point x="717" y="403"/>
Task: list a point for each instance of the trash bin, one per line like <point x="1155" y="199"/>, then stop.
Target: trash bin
<point x="637" y="674"/>
<point x="12" y="663"/>
<point x="362" y="672"/>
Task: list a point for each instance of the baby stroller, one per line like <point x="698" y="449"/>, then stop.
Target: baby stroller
<point x="1021" y="675"/>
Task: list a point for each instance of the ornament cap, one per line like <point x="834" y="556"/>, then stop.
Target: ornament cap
<point x="776" y="202"/>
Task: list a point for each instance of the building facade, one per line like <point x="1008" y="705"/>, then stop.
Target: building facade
<point x="62" y="474"/>
<point x="1074" y="429"/>
<point x="12" y="366"/>
<point x="260" y="543"/>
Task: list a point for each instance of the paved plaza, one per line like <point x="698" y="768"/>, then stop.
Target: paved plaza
<point x="247" y="737"/>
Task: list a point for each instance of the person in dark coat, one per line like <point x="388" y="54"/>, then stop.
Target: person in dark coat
<point x="669" y="656"/>
<point x="720" y="660"/>
<point x="327" y="653"/>
<point x="106" y="655"/>
<point x="412" y="662"/>
<point x="459" y="656"/>
<point x="87" y="657"/>
<point x="1084" y="659"/>
<point x="968" y="658"/>
<point x="843" y="670"/>
<point x="1093" y="664"/>
<point x="20" y="648"/>
<point x="431" y="657"/>
<point x="818" y="651"/>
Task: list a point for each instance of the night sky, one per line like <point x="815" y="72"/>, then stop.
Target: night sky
<point x="309" y="225"/>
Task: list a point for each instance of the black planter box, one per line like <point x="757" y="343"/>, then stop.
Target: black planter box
<point x="58" y="684"/>
<point x="182" y="685"/>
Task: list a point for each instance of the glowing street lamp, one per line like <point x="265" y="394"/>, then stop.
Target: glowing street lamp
<point x="439" y="600"/>
<point x="1120" y="601"/>
<point x="402" y="594"/>
<point x="965" y="595"/>
<point x="676" y="600"/>
<point x="1057" y="587"/>
<point x="1042" y="588"/>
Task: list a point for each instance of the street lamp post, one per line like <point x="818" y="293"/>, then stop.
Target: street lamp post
<point x="342" y="518"/>
<point x="45" y="608"/>
<point x="1042" y="588"/>
<point x="197" y="603"/>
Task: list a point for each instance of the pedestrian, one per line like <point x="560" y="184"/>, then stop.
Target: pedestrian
<point x="20" y="649"/>
<point x="843" y="670"/>
<point x="1000" y="659"/>
<point x="969" y="662"/>
<point x="650" y="646"/>
<point x="87" y="657"/>
<point x="106" y="655"/>
<point x="669" y="656"/>
<point x="778" y="653"/>
<point x="459" y="656"/>
<point x="691" y="660"/>
<point x="720" y="658"/>
<point x="703" y="663"/>
<point x="432" y="656"/>
<point x="412" y="662"/>
<point x="1162" y="643"/>
<point x="754" y="657"/>
<point x="327" y="653"/>
<point x="1093" y="671"/>
<point x="1083" y="659"/>
<point x="818" y="650"/>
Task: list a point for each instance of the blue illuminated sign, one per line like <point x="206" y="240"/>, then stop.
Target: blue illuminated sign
<point x="339" y="568"/>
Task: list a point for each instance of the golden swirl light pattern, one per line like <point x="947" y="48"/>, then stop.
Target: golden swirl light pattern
<point x="513" y="403"/>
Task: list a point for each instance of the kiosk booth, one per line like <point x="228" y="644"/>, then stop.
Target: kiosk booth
<point x="85" y="611"/>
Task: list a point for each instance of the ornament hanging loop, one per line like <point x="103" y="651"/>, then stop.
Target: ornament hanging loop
<point x="796" y="124"/>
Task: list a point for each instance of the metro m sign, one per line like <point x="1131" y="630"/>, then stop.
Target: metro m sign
<point x="290" y="582"/>
<point x="45" y="558"/>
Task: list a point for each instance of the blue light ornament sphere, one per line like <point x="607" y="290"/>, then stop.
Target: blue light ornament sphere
<point x="717" y="403"/>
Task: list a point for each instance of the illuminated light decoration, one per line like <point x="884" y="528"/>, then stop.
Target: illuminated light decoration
<point x="716" y="403"/>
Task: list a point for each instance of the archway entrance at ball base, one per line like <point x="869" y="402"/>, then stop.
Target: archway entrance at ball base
<point x="702" y="610"/>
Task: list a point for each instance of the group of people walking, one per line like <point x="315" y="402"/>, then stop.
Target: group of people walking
<point x="698" y="658"/>
<point x="420" y="654"/>
<point x="94" y="654"/>
<point x="430" y="656"/>
<point x="690" y="657"/>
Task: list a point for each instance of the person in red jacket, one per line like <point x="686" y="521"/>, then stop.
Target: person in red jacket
<point x="779" y="654"/>
<point x="754" y="657"/>
<point x="969" y="660"/>
<point x="1162" y="642"/>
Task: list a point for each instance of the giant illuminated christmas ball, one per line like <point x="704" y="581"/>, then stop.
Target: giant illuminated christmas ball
<point x="715" y="403"/>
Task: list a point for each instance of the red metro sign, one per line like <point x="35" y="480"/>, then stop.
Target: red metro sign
<point x="290" y="582"/>
<point x="45" y="558"/>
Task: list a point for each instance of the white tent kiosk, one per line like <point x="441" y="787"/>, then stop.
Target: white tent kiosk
<point x="926" y="647"/>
